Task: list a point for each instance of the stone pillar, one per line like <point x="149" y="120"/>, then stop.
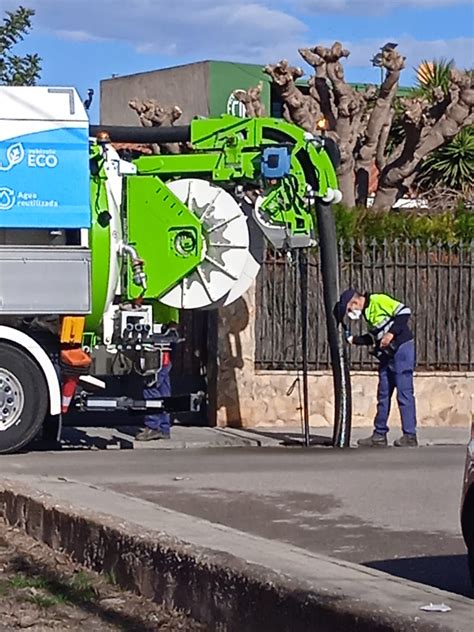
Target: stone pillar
<point x="236" y="362"/>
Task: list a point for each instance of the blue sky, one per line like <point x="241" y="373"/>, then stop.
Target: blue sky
<point x="84" y="41"/>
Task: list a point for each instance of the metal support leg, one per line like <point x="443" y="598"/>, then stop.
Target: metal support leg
<point x="303" y="261"/>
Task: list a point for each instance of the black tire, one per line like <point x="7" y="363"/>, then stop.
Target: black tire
<point x="470" y="563"/>
<point x="17" y="364"/>
<point x="467" y="528"/>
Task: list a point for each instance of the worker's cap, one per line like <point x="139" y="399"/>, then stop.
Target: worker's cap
<point x="340" y="308"/>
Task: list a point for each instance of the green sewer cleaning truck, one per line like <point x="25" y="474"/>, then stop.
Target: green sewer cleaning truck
<point x="90" y="240"/>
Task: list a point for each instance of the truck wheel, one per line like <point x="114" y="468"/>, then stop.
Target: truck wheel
<point x="470" y="562"/>
<point x="23" y="398"/>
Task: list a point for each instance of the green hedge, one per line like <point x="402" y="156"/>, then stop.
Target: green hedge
<point x="448" y="228"/>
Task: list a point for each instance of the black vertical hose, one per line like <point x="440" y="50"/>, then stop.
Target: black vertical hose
<point x="339" y="359"/>
<point x="330" y="274"/>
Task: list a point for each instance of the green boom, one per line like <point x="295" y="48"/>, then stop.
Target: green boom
<point x="171" y="237"/>
<point x="168" y="235"/>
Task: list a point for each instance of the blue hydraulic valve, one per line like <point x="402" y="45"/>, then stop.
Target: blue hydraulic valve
<point x="276" y="162"/>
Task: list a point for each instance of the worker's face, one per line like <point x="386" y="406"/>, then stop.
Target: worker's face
<point x="355" y="307"/>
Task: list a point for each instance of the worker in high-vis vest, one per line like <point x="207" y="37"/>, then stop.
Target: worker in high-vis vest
<point x="392" y="340"/>
<point x="158" y="425"/>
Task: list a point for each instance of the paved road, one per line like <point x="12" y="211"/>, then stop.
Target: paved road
<point x="395" y="510"/>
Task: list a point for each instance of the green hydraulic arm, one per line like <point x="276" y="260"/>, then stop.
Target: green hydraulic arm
<point x="229" y="150"/>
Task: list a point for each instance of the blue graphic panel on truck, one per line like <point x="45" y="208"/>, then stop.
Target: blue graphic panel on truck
<point x="44" y="179"/>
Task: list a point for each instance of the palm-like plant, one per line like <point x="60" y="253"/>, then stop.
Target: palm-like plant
<point x="432" y="75"/>
<point x="451" y="166"/>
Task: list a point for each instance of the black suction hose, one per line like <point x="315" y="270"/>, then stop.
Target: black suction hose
<point x="337" y="346"/>
<point x="143" y="135"/>
<point x="330" y="274"/>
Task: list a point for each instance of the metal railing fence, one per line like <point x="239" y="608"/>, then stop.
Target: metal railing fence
<point x="434" y="279"/>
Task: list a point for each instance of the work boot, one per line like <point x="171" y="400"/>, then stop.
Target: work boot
<point x="150" y="434"/>
<point x="406" y="441"/>
<point x="375" y="440"/>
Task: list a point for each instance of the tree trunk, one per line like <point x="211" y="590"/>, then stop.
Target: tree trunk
<point x="379" y="123"/>
<point x="386" y="197"/>
<point x="347" y="186"/>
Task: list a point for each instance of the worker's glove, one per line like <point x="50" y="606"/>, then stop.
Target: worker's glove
<point x="349" y="339"/>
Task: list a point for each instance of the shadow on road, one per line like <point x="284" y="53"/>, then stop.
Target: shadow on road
<point x="73" y="439"/>
<point x="292" y="438"/>
<point x="448" y="572"/>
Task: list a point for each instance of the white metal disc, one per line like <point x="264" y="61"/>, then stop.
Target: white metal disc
<point x="226" y="247"/>
<point x="253" y="263"/>
<point x="246" y="279"/>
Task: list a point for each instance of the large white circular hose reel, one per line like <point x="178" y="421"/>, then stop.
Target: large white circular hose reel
<point x="225" y="254"/>
<point x="254" y="261"/>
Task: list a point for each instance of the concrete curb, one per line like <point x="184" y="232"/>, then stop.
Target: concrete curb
<point x="227" y="592"/>
<point x="194" y="445"/>
<point x="259" y="437"/>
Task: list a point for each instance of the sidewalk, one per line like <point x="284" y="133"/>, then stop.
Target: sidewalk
<point x="124" y="438"/>
<point x="262" y="584"/>
<point x="265" y="437"/>
<point x="272" y="437"/>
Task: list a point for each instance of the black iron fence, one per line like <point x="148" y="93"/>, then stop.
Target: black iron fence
<point x="435" y="280"/>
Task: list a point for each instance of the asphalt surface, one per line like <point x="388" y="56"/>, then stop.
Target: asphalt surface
<point x="394" y="510"/>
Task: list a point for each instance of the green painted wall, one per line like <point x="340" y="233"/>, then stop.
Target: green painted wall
<point x="225" y="77"/>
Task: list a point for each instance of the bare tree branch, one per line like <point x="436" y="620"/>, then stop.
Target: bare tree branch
<point x="372" y="146"/>
<point x="429" y="134"/>
<point x="362" y="122"/>
<point x="380" y="157"/>
<point x="314" y="60"/>
<point x="152" y="114"/>
<point x="251" y="98"/>
<point x="299" y="107"/>
<point x="319" y="86"/>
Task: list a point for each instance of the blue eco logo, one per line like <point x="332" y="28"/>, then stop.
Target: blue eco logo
<point x="15" y="155"/>
<point x="7" y="199"/>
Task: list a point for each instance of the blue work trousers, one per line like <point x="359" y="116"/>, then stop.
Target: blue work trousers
<point x="397" y="373"/>
<point x="161" y="388"/>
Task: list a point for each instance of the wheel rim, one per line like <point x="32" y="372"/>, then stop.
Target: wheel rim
<point x="12" y="399"/>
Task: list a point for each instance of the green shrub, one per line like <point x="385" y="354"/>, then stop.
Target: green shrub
<point x="448" y="228"/>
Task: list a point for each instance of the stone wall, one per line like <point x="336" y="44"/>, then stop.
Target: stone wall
<point x="246" y="397"/>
